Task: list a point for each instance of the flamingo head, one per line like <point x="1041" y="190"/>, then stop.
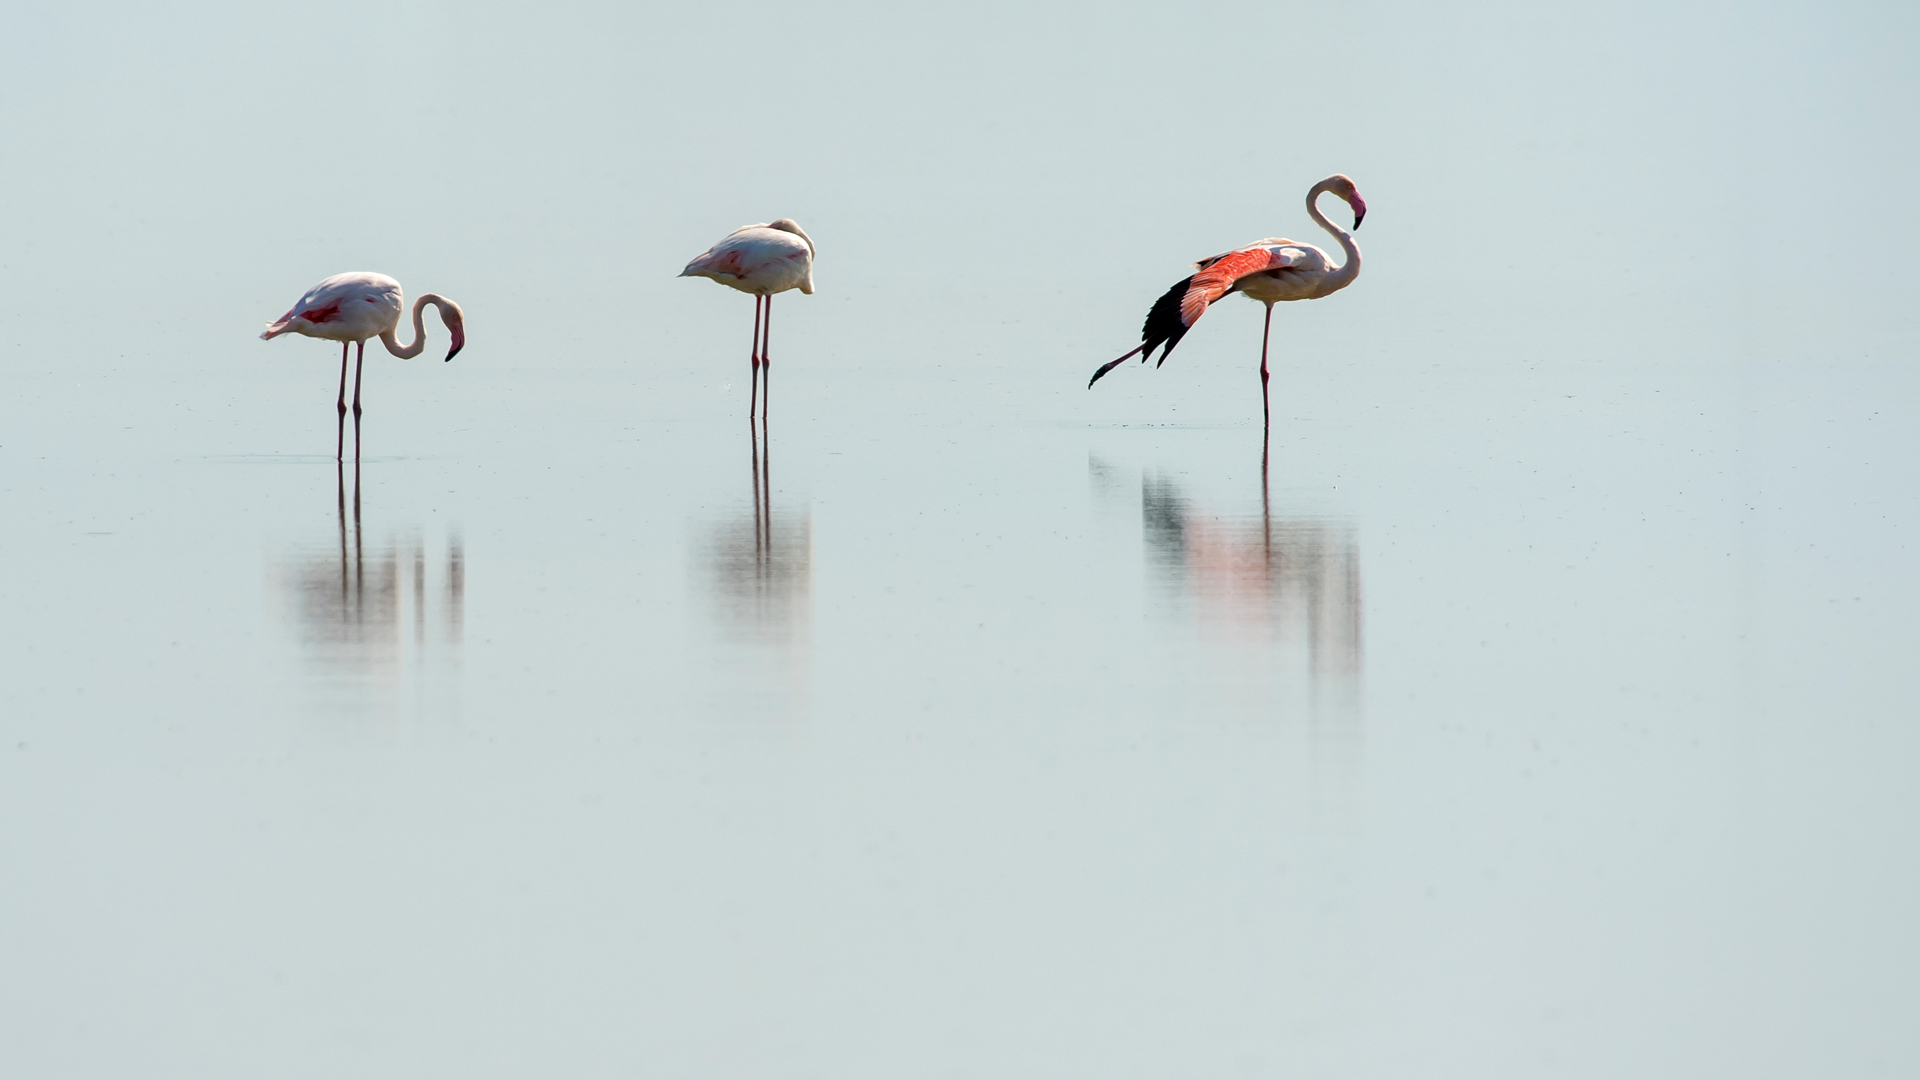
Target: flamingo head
<point x="456" y="321"/>
<point x="788" y="225"/>
<point x="1342" y="186"/>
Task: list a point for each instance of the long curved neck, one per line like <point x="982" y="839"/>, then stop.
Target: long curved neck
<point x="392" y="343"/>
<point x="1339" y="279"/>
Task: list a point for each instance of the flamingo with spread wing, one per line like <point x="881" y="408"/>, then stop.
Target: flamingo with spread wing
<point x="1269" y="271"/>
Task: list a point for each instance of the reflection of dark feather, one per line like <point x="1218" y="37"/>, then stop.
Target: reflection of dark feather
<point x="1304" y="572"/>
<point x="1163" y="520"/>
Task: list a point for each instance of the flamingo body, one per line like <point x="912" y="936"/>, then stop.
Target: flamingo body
<point x="761" y="260"/>
<point x="355" y="306"/>
<point x="350" y="308"/>
<point x="344" y="307"/>
<point x="1270" y="271"/>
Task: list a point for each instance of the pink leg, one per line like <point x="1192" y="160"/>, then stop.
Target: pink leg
<point x="753" y="395"/>
<point x="1266" y="411"/>
<point x="343" y="377"/>
<point x="340" y="431"/>
<point x="359" y="365"/>
<point x="766" y="360"/>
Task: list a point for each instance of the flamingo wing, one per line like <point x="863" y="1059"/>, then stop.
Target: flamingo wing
<point x="1219" y="275"/>
<point x="748" y="250"/>
<point x="1181" y="306"/>
<point x="350" y="306"/>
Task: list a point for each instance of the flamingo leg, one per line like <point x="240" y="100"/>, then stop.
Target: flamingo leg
<point x="753" y="395"/>
<point x="1109" y="366"/>
<point x="342" y="404"/>
<point x="766" y="360"/>
<point x="359" y="365"/>
<point x="1266" y="410"/>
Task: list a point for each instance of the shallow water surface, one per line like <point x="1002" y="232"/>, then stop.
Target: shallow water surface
<point x="1534" y="699"/>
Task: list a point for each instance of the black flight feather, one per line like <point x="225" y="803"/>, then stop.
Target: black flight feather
<point x="1163" y="322"/>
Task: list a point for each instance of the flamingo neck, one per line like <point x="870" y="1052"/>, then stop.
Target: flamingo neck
<point x="392" y="343"/>
<point x="1340" y="278"/>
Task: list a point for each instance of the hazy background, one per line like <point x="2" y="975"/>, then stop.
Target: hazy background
<point x="1548" y="711"/>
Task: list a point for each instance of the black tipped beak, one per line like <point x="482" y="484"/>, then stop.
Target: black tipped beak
<point x="455" y="351"/>
<point x="1359" y="216"/>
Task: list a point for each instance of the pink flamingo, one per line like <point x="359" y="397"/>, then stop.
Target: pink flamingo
<point x="350" y="308"/>
<point x="1269" y="271"/>
<point x="762" y="260"/>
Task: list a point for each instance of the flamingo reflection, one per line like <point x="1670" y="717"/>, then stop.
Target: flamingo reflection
<point x="761" y="563"/>
<point x="373" y="615"/>
<point x="1276" y="598"/>
<point x="1288" y="580"/>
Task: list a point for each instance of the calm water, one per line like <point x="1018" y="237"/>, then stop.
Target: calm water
<point x="1537" y="701"/>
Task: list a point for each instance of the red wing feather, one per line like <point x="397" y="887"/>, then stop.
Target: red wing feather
<point x="1213" y="281"/>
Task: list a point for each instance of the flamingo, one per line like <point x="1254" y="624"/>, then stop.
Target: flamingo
<point x="350" y="308"/>
<point x="1269" y="271"/>
<point x="762" y="260"/>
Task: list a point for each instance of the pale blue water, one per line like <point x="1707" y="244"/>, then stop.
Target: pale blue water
<point x="1541" y="706"/>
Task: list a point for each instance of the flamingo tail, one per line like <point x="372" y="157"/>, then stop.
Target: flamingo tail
<point x="277" y="327"/>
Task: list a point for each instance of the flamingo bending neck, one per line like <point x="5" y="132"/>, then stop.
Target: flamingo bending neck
<point x="450" y="314"/>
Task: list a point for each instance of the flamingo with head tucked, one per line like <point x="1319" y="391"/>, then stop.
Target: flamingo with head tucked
<point x="350" y="308"/>
<point x="1269" y="271"/>
<point x="762" y="260"/>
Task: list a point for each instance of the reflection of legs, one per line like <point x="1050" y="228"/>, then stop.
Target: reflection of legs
<point x="340" y="479"/>
<point x="765" y="510"/>
<point x="766" y="360"/>
<point x="753" y="395"/>
<point x="753" y="439"/>
<point x="359" y="548"/>
<point x="1266" y="503"/>
<point x="1266" y="412"/>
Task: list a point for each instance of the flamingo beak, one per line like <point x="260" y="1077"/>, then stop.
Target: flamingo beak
<point x="1359" y="209"/>
<point x="459" y="331"/>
